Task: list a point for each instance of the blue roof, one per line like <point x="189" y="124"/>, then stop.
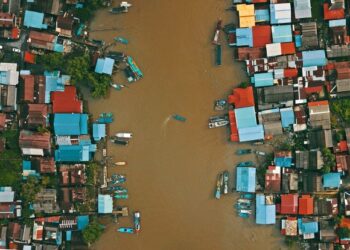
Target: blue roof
<point x="280" y="15"/>
<point x="262" y="15"/>
<point x="263" y="79"/>
<point x="314" y="58"/>
<point x="287" y="117"/>
<point x="104" y="66"/>
<point x="34" y="19"/>
<point x="251" y="134"/>
<point x="336" y="23"/>
<point x="245" y="117"/>
<point x="4" y="77"/>
<point x="74" y="153"/>
<point x="26" y="165"/>
<point x="246" y="178"/>
<point x="282" y="33"/>
<point x="52" y="83"/>
<point x="82" y="221"/>
<point x="298" y="41"/>
<point x="57" y="47"/>
<point x="265" y="214"/>
<point x="244" y="37"/>
<point x="68" y="235"/>
<point x="98" y="131"/>
<point x="285" y="162"/>
<point x="331" y="180"/>
<point x="105" y="204"/>
<point x="70" y="124"/>
<point x="307" y="227"/>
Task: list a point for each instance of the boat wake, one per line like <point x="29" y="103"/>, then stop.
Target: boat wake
<point x="164" y="125"/>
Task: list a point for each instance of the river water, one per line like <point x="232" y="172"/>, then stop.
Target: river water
<point x="172" y="166"/>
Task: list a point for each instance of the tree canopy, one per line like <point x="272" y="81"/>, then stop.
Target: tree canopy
<point x="30" y="189"/>
<point x="92" y="232"/>
<point x="341" y="109"/>
<point x="328" y="160"/>
<point x="343" y="232"/>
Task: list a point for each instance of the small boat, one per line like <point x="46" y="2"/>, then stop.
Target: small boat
<point x="128" y="230"/>
<point x="126" y="135"/>
<point x="243" y="151"/>
<point x="116" y="188"/>
<point x="179" y="118"/>
<point x="117" y="56"/>
<point x="121" y="40"/>
<point x="243" y="215"/>
<point x="121" y="196"/>
<point x="134" y="68"/>
<point x="220" y="104"/>
<point x="105" y="118"/>
<point x="125" y="4"/>
<point x="219" y="184"/>
<point x="121" y="190"/>
<point x="218" y="124"/>
<point x="225" y="178"/>
<point x="245" y="164"/>
<point x="218" y="118"/>
<point x="244" y="201"/>
<point x="117" y="176"/>
<point x="118" y="86"/>
<point x="218" y="54"/>
<point x="217" y="32"/>
<point x="247" y="196"/>
<point x="119" y="10"/>
<point x="242" y="206"/>
<point x="137" y="221"/>
<point x="120" y="142"/>
<point x="120" y="163"/>
<point x="245" y="211"/>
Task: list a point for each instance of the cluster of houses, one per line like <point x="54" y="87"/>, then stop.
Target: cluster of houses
<point x="295" y="71"/>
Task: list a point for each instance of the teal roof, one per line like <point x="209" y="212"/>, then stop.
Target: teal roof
<point x="52" y="83"/>
<point x="245" y="117"/>
<point x="287" y="117"/>
<point x="71" y="124"/>
<point x="331" y="180"/>
<point x="263" y="79"/>
<point x="244" y="37"/>
<point x="262" y="15"/>
<point x="74" y="153"/>
<point x="307" y="227"/>
<point x="82" y="221"/>
<point x="314" y="58"/>
<point x="34" y="19"/>
<point x="104" y="66"/>
<point x="105" y="204"/>
<point x="282" y="34"/>
<point x="265" y="214"/>
<point x="246" y="179"/>
<point x="98" y="131"/>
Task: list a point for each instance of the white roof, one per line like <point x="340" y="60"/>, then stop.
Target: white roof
<point x="273" y="49"/>
<point x="279" y="73"/>
<point x="7" y="196"/>
<point x="302" y="9"/>
<point x="33" y="151"/>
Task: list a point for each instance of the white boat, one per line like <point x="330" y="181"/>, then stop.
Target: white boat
<point x="120" y="163"/>
<point x="245" y="211"/>
<point x="124" y="135"/>
<point x="244" y="201"/>
<point x="125" y="4"/>
<point x="218" y="124"/>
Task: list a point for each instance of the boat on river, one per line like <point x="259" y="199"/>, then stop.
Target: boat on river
<point x="126" y="135"/>
<point x="119" y="141"/>
<point x="218" y="124"/>
<point x="128" y="230"/>
<point x="179" y="118"/>
<point x="217" y="32"/>
<point x="225" y="179"/>
<point x="137" y="221"/>
<point x="243" y="151"/>
<point x="117" y="86"/>
<point x="121" y="196"/>
<point x="121" y="40"/>
<point x="243" y="215"/>
<point x="220" y="104"/>
<point x="218" y="54"/>
<point x="120" y="163"/>
<point x="105" y="118"/>
<point x="245" y="164"/>
<point x="219" y="184"/>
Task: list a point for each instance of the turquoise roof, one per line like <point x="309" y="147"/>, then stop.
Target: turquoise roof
<point x="265" y="214"/>
<point x="52" y="83"/>
<point x="82" y="221"/>
<point x="298" y="41"/>
<point x="244" y="37"/>
<point x="263" y="79"/>
<point x="105" y="204"/>
<point x="68" y="235"/>
<point x="70" y="124"/>
<point x="98" y="131"/>
<point x="282" y="33"/>
<point x="262" y="15"/>
<point x="26" y="165"/>
<point x="307" y="227"/>
<point x="285" y="162"/>
<point x="287" y="117"/>
<point x="245" y="117"/>
<point x="74" y="153"/>
<point x="104" y="66"/>
<point x="314" y="58"/>
<point x="331" y="180"/>
<point x="246" y="179"/>
<point x="34" y="19"/>
<point x="255" y="133"/>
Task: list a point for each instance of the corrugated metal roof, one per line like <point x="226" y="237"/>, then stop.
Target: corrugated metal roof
<point x="105" y="204"/>
<point x="265" y="214"/>
<point x="263" y="79"/>
<point x="287" y="117"/>
<point x="34" y="20"/>
<point x="280" y="13"/>
<point x="7" y="196"/>
<point x="302" y="9"/>
<point x="245" y="117"/>
<point x="331" y="180"/>
<point x="246" y="179"/>
<point x="307" y="227"/>
<point x="251" y="134"/>
<point x="246" y="15"/>
<point x="244" y="37"/>
<point x="262" y="15"/>
<point x="104" y="66"/>
<point x="70" y="124"/>
<point x="98" y="131"/>
<point x="74" y="153"/>
<point x="314" y="58"/>
<point x="282" y="34"/>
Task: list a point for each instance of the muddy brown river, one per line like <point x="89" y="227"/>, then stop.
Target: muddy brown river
<point x="172" y="166"/>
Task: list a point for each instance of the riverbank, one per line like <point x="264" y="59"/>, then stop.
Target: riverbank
<point x="171" y="165"/>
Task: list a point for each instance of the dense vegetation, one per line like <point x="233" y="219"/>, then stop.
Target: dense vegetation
<point x="92" y="232"/>
<point x="341" y="112"/>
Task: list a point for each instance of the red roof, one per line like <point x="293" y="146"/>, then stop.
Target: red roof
<point x="28" y="87"/>
<point x="66" y="101"/>
<point x="245" y="53"/>
<point x="343" y="73"/>
<point x="289" y="204"/>
<point x="343" y="146"/>
<point x="2" y="121"/>
<point x="29" y="57"/>
<point x="289" y="73"/>
<point x="37" y="114"/>
<point x="29" y="139"/>
<point x="261" y="35"/>
<point x="332" y="14"/>
<point x="306" y="205"/>
<point x="273" y="179"/>
<point x="47" y="165"/>
<point x="15" y="33"/>
<point x="242" y="97"/>
<point x="315" y="89"/>
<point x="319" y="103"/>
<point x="345" y="222"/>
<point x="288" y="48"/>
<point x="233" y="126"/>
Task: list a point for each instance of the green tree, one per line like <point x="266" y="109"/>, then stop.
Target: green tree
<point x="243" y="85"/>
<point x="78" y="68"/>
<point x="100" y="84"/>
<point x="343" y="232"/>
<point x="92" y="232"/>
<point x="341" y="109"/>
<point x="30" y="189"/>
<point x="52" y="61"/>
<point x="328" y="160"/>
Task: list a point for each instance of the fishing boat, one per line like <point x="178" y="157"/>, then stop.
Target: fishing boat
<point x="243" y="215"/>
<point x="218" y="118"/>
<point x="218" y="54"/>
<point x="121" y="196"/>
<point x="225" y="178"/>
<point x="121" y="190"/>
<point x="105" y="118"/>
<point x="128" y="230"/>
<point x="247" y="196"/>
<point x="244" y="201"/>
<point x="118" y="86"/>
<point x="179" y="118"/>
<point x="243" y="151"/>
<point x="217" y="32"/>
<point x="245" y="164"/>
<point x="218" y="124"/>
<point x="219" y="183"/>
<point x="117" y="56"/>
<point x="245" y="211"/>
<point x="120" y="142"/>
<point x="120" y="163"/>
<point x="126" y="135"/>
<point x="220" y="104"/>
<point x="121" y="40"/>
<point x="119" y="10"/>
<point x="242" y="206"/>
<point x="137" y="221"/>
<point x="115" y="188"/>
<point x="133" y="66"/>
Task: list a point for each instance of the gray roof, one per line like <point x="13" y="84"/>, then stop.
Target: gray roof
<point x="7" y="196"/>
<point x="343" y="85"/>
<point x="302" y="159"/>
<point x="302" y="9"/>
<point x="273" y="128"/>
<point x="309" y="34"/>
<point x="312" y="182"/>
<point x="320" y="116"/>
<point x="338" y="51"/>
<point x="276" y="94"/>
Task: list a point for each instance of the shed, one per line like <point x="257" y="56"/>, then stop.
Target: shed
<point x="280" y="13"/>
<point x="265" y="214"/>
<point x="71" y="124"/>
<point x="246" y="179"/>
<point x="307" y="228"/>
<point x="104" y="66"/>
<point x="82" y="221"/>
<point x="98" y="131"/>
<point x="302" y="9"/>
<point x="262" y="15"/>
<point x="261" y="35"/>
<point x="282" y="34"/>
<point x="33" y="19"/>
<point x="263" y="79"/>
<point x="287" y="117"/>
<point x="331" y="180"/>
<point x="273" y="179"/>
<point x="105" y="204"/>
<point x="319" y="113"/>
<point x="289" y="204"/>
<point x="314" y="58"/>
<point x="7" y="195"/>
<point x="306" y="205"/>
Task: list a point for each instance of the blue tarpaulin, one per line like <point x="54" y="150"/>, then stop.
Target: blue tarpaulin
<point x="33" y="19"/>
